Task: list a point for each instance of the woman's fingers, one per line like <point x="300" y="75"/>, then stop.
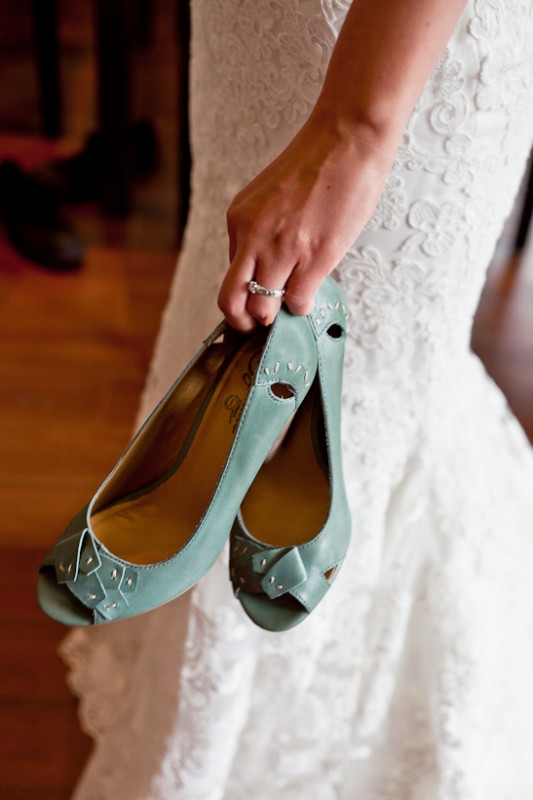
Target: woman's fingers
<point x="303" y="283"/>
<point x="300" y="282"/>
<point x="233" y="295"/>
<point x="271" y="275"/>
<point x="244" y="310"/>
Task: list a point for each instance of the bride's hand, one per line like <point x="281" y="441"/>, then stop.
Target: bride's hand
<point x="294" y="222"/>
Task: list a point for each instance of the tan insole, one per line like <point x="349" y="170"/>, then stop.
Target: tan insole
<point x="289" y="500"/>
<point x="154" y="526"/>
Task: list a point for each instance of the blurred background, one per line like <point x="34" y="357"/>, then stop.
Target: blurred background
<point x="94" y="165"/>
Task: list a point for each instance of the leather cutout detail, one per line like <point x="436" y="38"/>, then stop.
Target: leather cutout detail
<point x="328" y="318"/>
<point x="335" y="331"/>
<point x="283" y="391"/>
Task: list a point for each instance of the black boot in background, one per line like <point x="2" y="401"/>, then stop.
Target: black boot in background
<point x="34" y="224"/>
<point x="80" y="177"/>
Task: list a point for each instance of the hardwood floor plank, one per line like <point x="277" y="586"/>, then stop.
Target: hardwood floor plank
<point x="74" y="351"/>
<point x="42" y="747"/>
<point x="74" y="354"/>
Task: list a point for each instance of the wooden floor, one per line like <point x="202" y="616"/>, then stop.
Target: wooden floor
<point x="74" y="351"/>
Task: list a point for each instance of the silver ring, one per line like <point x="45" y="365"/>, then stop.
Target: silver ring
<point x="256" y="288"/>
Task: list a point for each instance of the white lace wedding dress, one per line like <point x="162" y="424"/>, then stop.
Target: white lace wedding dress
<point x="414" y="678"/>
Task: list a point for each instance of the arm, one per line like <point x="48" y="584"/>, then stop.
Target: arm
<point x="295" y="221"/>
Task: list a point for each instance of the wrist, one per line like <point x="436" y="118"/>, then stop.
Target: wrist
<point x="357" y="138"/>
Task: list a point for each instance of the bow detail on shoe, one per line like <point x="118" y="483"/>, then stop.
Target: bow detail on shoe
<point x="273" y="571"/>
<point x="98" y="580"/>
<point x="295" y="571"/>
<point x="73" y="550"/>
<point x="285" y="574"/>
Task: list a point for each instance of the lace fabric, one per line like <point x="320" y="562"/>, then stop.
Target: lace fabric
<point x="412" y="680"/>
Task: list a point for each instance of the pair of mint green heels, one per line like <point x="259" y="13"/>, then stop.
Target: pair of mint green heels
<point x="246" y="445"/>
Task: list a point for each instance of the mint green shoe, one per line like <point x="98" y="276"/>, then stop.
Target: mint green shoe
<point x="163" y="515"/>
<point x="293" y="528"/>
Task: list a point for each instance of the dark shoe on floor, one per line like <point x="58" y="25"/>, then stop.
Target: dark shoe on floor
<point x="80" y="178"/>
<point x="33" y="223"/>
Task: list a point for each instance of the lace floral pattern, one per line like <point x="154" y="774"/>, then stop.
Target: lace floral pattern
<point x="396" y="687"/>
<point x="390" y="210"/>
